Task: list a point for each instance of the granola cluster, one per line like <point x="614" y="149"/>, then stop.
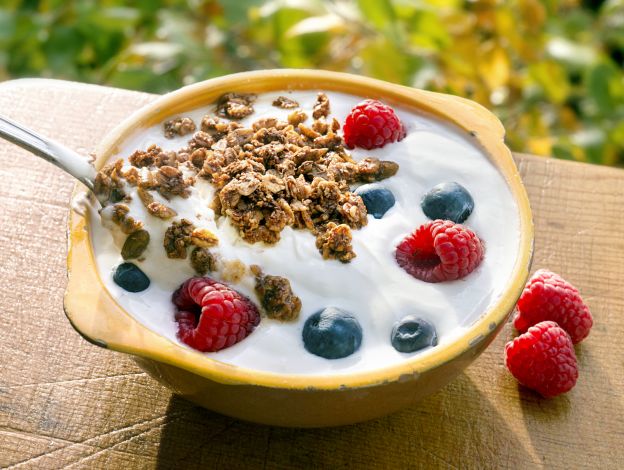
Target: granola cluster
<point x="235" y="105"/>
<point x="285" y="103"/>
<point x="277" y="298"/>
<point x="180" y="235"/>
<point x="268" y="175"/>
<point x="109" y="183"/>
<point x="275" y="174"/>
<point x="126" y="223"/>
<point x="179" y="126"/>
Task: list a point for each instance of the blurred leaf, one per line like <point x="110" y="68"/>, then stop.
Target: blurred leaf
<point x="440" y="3"/>
<point x="141" y="79"/>
<point x="571" y="53"/>
<point x="61" y="48"/>
<point x="236" y="11"/>
<point x="377" y="55"/>
<point x="617" y="134"/>
<point x="533" y="12"/>
<point x="378" y="12"/>
<point x="7" y="25"/>
<point x="317" y="24"/>
<point x="575" y="21"/>
<point x="594" y="142"/>
<point x="176" y="28"/>
<point x="156" y="50"/>
<point x="274" y="7"/>
<point x="566" y="150"/>
<point x="426" y="30"/>
<point x="114" y="19"/>
<point x="590" y="137"/>
<point x="552" y="79"/>
<point x="540" y="146"/>
<point x="494" y="67"/>
<point x="605" y="87"/>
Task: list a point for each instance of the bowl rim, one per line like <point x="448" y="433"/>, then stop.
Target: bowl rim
<point x="93" y="312"/>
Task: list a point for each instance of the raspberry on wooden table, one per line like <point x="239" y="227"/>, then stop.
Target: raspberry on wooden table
<point x="440" y="251"/>
<point x="212" y="316"/>
<point x="543" y="359"/>
<point x="372" y="124"/>
<point x="547" y="296"/>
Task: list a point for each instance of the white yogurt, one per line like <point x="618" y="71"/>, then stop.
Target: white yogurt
<point x="372" y="286"/>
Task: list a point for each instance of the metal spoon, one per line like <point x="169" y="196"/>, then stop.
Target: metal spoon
<point x="67" y="160"/>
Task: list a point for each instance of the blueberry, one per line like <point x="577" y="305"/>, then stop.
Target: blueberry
<point x="377" y="200"/>
<point x="413" y="333"/>
<point x="129" y="277"/>
<point x="448" y="201"/>
<point x="332" y="333"/>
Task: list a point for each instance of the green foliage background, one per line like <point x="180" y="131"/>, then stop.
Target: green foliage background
<point x="552" y="70"/>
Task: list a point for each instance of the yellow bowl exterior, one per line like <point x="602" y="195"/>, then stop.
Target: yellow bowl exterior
<point x="279" y="399"/>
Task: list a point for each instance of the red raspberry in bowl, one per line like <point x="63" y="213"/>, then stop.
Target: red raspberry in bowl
<point x="372" y="124"/>
<point x="212" y="316"/>
<point x="440" y="250"/>
<point x="543" y="359"/>
<point x="547" y="296"/>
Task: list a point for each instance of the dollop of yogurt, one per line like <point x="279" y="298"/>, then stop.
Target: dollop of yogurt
<point x="372" y="286"/>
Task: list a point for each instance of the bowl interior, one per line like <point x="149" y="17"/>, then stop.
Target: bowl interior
<point x="97" y="316"/>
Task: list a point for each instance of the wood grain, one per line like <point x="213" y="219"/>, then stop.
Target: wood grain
<point x="66" y="403"/>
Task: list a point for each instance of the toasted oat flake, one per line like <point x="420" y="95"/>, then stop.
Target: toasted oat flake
<point x="235" y="105"/>
<point x="178" y="126"/>
<point x="297" y="117"/>
<point x="161" y="211"/>
<point x="321" y="108"/>
<point x="127" y="223"/>
<point x="233" y="270"/>
<point x="156" y="209"/>
<point x="285" y="102"/>
<point x="168" y="181"/>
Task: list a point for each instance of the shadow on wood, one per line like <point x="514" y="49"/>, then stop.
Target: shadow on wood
<point x="455" y="424"/>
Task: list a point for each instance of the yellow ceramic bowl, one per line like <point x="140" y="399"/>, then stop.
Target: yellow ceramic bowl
<point x="279" y="399"/>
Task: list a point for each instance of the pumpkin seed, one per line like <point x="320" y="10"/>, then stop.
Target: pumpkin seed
<point x="135" y="244"/>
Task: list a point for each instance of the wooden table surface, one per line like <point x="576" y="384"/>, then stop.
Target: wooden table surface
<point x="65" y="402"/>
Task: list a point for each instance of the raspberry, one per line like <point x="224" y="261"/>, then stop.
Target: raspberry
<point x="543" y="359"/>
<point x="372" y="124"/>
<point x="212" y="316"/>
<point x="440" y="251"/>
<point x="547" y="296"/>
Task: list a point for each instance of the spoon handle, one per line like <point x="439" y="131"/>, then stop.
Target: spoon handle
<point x="67" y="160"/>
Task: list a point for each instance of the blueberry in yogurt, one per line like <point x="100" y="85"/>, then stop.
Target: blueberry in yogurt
<point x="412" y="334"/>
<point x="377" y="200"/>
<point x="448" y="201"/>
<point x="332" y="333"/>
<point x="129" y="277"/>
